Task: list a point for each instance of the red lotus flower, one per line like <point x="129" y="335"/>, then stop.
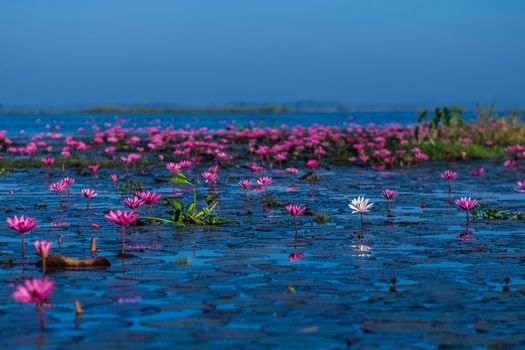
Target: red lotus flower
<point x="34" y="291"/>
<point x="21" y="224"/>
<point x="122" y="218"/>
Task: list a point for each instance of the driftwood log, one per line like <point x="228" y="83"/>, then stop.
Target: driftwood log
<point x="57" y="261"/>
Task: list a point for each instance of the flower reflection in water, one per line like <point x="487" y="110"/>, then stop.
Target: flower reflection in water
<point x="296" y="256"/>
<point x="361" y="250"/>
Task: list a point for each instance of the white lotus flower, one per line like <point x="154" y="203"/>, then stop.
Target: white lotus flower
<point x="360" y="205"/>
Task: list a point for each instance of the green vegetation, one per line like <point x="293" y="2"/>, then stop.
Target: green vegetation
<point x="321" y="218"/>
<point x="483" y="211"/>
<point x="443" y="151"/>
<point x="130" y="186"/>
<point x="181" y="214"/>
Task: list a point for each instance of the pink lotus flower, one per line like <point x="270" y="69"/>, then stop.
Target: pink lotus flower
<point x="186" y="164"/>
<point x="312" y="163"/>
<point x="43" y="248"/>
<point x="255" y="167"/>
<point x="509" y="163"/>
<point x="449" y="175"/>
<point x="467" y="204"/>
<point x="295" y="210"/>
<point x="123" y="219"/>
<point x="477" y="172"/>
<point x="421" y="157"/>
<point x="59" y="186"/>
<point x="389" y="195"/>
<point x="264" y="182"/>
<point x="149" y="198"/>
<point x="48" y="161"/>
<point x="68" y="181"/>
<point x="94" y="168"/>
<point x="173" y="168"/>
<point x="133" y="202"/>
<point x="521" y="185"/>
<point x="292" y="171"/>
<point x="21" y="224"/>
<point x="214" y="169"/>
<point x="295" y="257"/>
<point x="89" y="194"/>
<point x="114" y="178"/>
<point x="245" y="185"/>
<point x="35" y="291"/>
<point x="209" y="176"/>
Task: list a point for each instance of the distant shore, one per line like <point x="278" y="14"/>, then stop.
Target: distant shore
<point x="267" y="109"/>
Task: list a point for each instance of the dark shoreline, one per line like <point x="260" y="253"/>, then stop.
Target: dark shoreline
<point x="212" y="110"/>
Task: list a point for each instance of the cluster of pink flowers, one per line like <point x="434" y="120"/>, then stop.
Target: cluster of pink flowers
<point x="379" y="146"/>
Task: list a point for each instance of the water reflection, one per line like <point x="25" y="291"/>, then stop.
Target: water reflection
<point x="361" y="249"/>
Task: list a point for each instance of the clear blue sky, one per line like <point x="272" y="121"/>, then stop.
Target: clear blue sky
<point x="198" y="52"/>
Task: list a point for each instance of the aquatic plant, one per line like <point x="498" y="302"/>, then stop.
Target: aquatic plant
<point x="42" y="249"/>
<point x="264" y="182"/>
<point x="209" y="177"/>
<point x="181" y="214"/>
<point x="173" y="168"/>
<point x="295" y="210"/>
<point x="443" y="117"/>
<point x="89" y="194"/>
<point x="123" y="219"/>
<point x="477" y="172"/>
<point x="521" y="185"/>
<point x="35" y="291"/>
<point x="130" y="185"/>
<point x="360" y="205"/>
<point x="48" y="162"/>
<point x="321" y="218"/>
<point x="292" y="171"/>
<point x="133" y="202"/>
<point x="94" y="168"/>
<point x="68" y="182"/>
<point x="58" y="187"/>
<point x="389" y="195"/>
<point x="21" y="224"/>
<point x="312" y="164"/>
<point x="467" y="204"/>
<point x="483" y="211"/>
<point x="245" y="185"/>
<point x="449" y="175"/>
<point x="149" y="198"/>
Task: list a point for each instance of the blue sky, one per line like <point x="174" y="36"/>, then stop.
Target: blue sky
<point x="198" y="52"/>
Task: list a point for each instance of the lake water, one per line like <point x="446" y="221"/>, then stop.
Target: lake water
<point x="234" y="286"/>
<point x="70" y="123"/>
